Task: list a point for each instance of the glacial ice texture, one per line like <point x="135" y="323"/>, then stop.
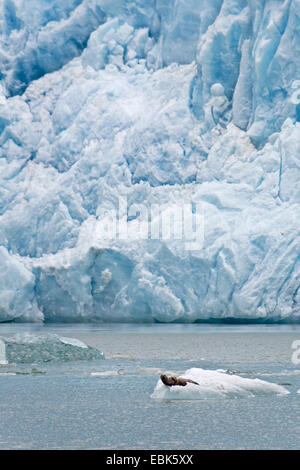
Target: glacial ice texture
<point x="159" y="104"/>
<point x="25" y="348"/>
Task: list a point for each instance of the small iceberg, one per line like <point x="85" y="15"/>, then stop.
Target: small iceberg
<point x="215" y="384"/>
<point x="106" y="373"/>
<point x="31" y="348"/>
<point x="3" y="360"/>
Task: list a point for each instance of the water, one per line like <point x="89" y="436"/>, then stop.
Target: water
<point x="107" y="404"/>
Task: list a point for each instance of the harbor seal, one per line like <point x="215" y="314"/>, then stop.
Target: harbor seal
<point x="172" y="380"/>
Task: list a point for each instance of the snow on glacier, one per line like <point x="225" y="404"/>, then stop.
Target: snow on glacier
<point x="215" y="384"/>
<point x="159" y="103"/>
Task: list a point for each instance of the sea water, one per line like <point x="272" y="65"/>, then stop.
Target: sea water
<point x="97" y="403"/>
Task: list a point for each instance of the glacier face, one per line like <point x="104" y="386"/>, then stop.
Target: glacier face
<point x="156" y="102"/>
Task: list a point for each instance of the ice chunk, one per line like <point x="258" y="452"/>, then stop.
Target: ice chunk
<point x="106" y="373"/>
<point x="31" y="348"/>
<point x="3" y="360"/>
<point x="214" y="384"/>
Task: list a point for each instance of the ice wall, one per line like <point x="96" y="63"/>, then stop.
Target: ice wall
<point x="253" y="51"/>
<point x="159" y="103"/>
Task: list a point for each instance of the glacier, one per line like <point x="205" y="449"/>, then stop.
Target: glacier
<point x="158" y="102"/>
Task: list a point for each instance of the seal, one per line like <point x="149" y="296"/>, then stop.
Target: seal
<point x="172" y="380"/>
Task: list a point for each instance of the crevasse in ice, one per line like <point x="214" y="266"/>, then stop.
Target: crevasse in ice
<point x="156" y="103"/>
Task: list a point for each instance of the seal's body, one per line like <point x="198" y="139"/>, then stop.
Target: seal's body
<point x="173" y="380"/>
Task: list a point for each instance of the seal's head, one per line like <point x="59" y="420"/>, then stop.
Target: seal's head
<point x="168" y="380"/>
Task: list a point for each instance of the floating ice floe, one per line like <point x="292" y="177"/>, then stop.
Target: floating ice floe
<point x="3" y="359"/>
<point x="135" y="371"/>
<point x="213" y="384"/>
<point x="105" y="373"/>
<point x="31" y="348"/>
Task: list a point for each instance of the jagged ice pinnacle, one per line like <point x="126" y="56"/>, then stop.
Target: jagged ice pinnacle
<point x="160" y="103"/>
